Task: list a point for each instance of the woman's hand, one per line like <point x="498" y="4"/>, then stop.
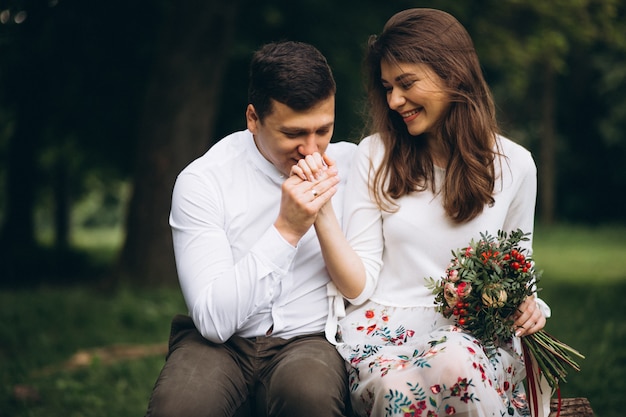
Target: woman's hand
<point x="303" y="201"/>
<point x="529" y="319"/>
<point x="320" y="173"/>
<point x="312" y="167"/>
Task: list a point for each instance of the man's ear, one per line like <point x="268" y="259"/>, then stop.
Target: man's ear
<point x="252" y="119"/>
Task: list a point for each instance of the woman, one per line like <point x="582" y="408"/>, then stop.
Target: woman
<point x="434" y="175"/>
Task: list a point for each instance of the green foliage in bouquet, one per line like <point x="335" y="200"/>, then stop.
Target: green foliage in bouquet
<point x="484" y="284"/>
<point x="482" y="289"/>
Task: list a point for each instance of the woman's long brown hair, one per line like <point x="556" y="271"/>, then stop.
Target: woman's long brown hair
<point x="467" y="131"/>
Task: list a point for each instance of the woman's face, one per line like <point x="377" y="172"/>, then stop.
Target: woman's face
<point x="416" y="93"/>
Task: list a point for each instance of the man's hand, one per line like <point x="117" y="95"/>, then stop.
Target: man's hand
<point x="312" y="184"/>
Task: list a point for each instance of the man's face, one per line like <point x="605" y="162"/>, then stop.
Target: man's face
<point x="285" y="136"/>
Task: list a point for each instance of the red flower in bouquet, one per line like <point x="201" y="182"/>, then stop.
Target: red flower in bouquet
<point x="482" y="289"/>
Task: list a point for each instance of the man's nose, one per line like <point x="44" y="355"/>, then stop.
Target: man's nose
<point x="309" y="146"/>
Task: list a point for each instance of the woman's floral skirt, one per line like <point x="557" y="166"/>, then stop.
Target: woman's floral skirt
<point x="414" y="362"/>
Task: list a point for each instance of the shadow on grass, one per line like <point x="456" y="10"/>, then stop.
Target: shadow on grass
<point x="587" y="317"/>
<point x="42" y="265"/>
<point x="44" y="327"/>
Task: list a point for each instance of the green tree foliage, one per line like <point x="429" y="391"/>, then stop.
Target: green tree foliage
<point x="70" y="77"/>
<point x="549" y="61"/>
<point x="79" y="95"/>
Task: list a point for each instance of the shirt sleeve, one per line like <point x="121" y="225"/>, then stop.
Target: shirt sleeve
<point x="206" y="266"/>
<point x="363" y="218"/>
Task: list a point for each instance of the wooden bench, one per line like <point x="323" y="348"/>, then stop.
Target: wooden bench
<point x="571" y="407"/>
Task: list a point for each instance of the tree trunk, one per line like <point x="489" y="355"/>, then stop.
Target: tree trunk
<point x="23" y="61"/>
<point x="17" y="238"/>
<point x="547" y="157"/>
<point x="178" y="118"/>
<point x="62" y="204"/>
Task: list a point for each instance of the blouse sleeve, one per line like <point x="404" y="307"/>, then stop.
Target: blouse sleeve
<point x="362" y="217"/>
<point x="521" y="213"/>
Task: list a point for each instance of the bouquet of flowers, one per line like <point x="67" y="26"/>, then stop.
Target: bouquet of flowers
<point x="484" y="285"/>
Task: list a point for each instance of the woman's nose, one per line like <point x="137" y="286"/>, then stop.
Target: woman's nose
<point x="395" y="99"/>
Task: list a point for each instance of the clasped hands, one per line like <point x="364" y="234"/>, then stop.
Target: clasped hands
<point x="311" y="184"/>
<point x="317" y="175"/>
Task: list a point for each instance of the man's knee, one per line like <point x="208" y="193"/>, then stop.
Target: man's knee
<point x="308" y="397"/>
<point x="311" y="377"/>
<point x="199" y="379"/>
<point x="310" y="380"/>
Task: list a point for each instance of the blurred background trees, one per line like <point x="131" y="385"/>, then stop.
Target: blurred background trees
<point x="103" y="103"/>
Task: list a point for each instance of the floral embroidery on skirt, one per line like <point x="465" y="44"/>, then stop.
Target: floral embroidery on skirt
<point x="413" y="362"/>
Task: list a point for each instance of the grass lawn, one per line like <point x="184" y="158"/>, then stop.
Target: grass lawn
<point x="48" y="366"/>
<point x="41" y="330"/>
<point x="584" y="281"/>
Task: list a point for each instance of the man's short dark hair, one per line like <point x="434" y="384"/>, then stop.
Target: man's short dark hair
<point x="293" y="73"/>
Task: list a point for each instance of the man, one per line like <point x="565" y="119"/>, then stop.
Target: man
<point x="249" y="262"/>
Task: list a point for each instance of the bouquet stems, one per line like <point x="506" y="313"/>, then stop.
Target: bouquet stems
<point x="552" y="356"/>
